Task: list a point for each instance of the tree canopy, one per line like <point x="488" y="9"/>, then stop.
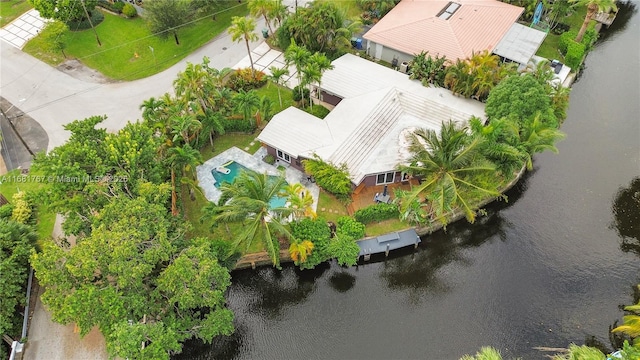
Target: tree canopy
<point x="63" y="10"/>
<point x="138" y="279"/>
<point x="167" y="16"/>
<point x="518" y="97"/>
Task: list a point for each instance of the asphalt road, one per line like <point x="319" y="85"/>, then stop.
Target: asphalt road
<point x="54" y="98"/>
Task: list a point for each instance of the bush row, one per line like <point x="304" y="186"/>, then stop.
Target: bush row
<point x="238" y="125"/>
<point x="377" y="212"/>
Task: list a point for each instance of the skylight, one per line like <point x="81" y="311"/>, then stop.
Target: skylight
<point x="449" y="10"/>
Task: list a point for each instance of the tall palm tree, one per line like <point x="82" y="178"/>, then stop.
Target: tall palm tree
<point x="184" y="159"/>
<point x="278" y="12"/>
<point x="277" y="76"/>
<point x="247" y="200"/>
<point x="150" y="108"/>
<point x="262" y="8"/>
<point x="323" y="64"/>
<point x="310" y="74"/>
<point x="184" y="127"/>
<point x="246" y="103"/>
<point x="301" y="199"/>
<point x="264" y="110"/>
<point x="211" y="124"/>
<point x="298" y="56"/>
<point x="501" y="145"/>
<point x="452" y="167"/>
<point x="593" y="7"/>
<point x="243" y="28"/>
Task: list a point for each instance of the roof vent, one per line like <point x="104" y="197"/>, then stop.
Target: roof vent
<point x="448" y="10"/>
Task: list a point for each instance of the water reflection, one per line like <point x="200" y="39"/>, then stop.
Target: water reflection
<point x="342" y="281"/>
<point x="626" y="213"/>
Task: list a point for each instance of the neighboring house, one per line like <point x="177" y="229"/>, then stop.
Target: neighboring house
<point x="454" y="29"/>
<point x="376" y="109"/>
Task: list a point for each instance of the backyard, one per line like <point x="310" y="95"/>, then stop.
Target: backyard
<point x="549" y="48"/>
<point x="11" y="9"/>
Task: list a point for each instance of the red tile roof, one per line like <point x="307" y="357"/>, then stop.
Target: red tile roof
<point x="413" y="26"/>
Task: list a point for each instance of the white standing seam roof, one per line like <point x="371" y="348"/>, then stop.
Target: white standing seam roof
<point x="295" y="132"/>
<point x="363" y="131"/>
<point x="520" y="43"/>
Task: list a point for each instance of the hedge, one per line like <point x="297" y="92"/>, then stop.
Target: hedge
<point x="238" y="125"/>
<point x="377" y="212"/>
<point x="351" y="227"/>
<point x="575" y="53"/>
<point x="565" y="39"/>
<point x="96" y="18"/>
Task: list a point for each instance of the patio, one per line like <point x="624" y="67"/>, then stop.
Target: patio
<point x="365" y="196"/>
<point x="253" y="162"/>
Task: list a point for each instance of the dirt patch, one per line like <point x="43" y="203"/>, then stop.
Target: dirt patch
<point x="79" y="71"/>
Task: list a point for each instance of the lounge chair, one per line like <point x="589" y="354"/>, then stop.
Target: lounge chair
<point x="223" y="170"/>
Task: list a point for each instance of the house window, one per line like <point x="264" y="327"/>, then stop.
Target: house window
<point x="385" y="178"/>
<point x="284" y="156"/>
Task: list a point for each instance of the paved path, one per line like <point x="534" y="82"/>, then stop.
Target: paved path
<point x="23" y="29"/>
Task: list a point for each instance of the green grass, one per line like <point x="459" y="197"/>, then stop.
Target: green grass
<point x="317" y="110"/>
<point x="31" y="184"/>
<point x="11" y="9"/>
<point x="126" y="53"/>
<point x="385" y="227"/>
<point x="224" y="142"/>
<point x="549" y="47"/>
<point x="328" y="202"/>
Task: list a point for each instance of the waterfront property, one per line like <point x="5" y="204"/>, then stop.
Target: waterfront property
<point x="376" y="109"/>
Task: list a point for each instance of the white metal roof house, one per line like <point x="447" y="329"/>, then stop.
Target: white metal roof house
<point x="367" y="129"/>
<point x="454" y="29"/>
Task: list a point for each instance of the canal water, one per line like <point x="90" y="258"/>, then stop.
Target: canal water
<point x="550" y="267"/>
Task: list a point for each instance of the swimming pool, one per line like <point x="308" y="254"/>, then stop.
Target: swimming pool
<point x="234" y="170"/>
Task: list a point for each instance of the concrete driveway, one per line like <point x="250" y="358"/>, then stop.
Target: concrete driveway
<point x="53" y="98"/>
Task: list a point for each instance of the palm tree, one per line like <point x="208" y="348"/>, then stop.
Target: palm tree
<point x="150" y="108"/>
<point x="299" y="199"/>
<point x="451" y="165"/>
<point x="185" y="159"/>
<point x="536" y="136"/>
<point x="310" y="74"/>
<point x="262" y="8"/>
<point x="501" y="145"/>
<point x="246" y="102"/>
<point x="277" y="76"/>
<point x="298" y="56"/>
<point x="323" y="64"/>
<point x="184" y="127"/>
<point x="593" y="7"/>
<point x="264" y="110"/>
<point x="212" y="123"/>
<point x="247" y="200"/>
<point x="243" y="28"/>
<point x="278" y="12"/>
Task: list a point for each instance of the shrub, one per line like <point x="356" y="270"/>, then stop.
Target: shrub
<point x="329" y="177"/>
<point x="296" y="94"/>
<point x="238" y="125"/>
<point x="575" y="53"/>
<point x="22" y="210"/>
<point x="115" y="7"/>
<point x="129" y="10"/>
<point x="84" y="24"/>
<point x="565" y="39"/>
<point x="6" y="211"/>
<point x="560" y="28"/>
<point x="350" y="227"/>
<point x="269" y="159"/>
<point x="317" y="231"/>
<point x="377" y="212"/>
<point x="345" y="250"/>
<point x="244" y="79"/>
<point x="589" y="39"/>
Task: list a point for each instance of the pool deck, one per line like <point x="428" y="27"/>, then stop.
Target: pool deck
<point x="253" y="162"/>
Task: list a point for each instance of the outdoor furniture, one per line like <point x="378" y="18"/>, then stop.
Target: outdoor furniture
<point x="223" y="170"/>
<point x="382" y="198"/>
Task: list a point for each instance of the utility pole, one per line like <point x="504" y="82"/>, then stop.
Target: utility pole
<point x="90" y="22"/>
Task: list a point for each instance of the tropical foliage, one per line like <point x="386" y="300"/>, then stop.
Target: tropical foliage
<point x="63" y="10"/>
<point x="166" y="17"/>
<point x="334" y="179"/>
<point x="453" y="169"/>
<point x="243" y="28"/>
<point x="317" y="232"/>
<point x="427" y="69"/>
<point x="593" y="7"/>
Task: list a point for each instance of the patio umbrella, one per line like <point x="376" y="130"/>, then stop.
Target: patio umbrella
<point x="384" y="192"/>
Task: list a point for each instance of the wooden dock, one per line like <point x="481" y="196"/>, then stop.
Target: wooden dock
<point x="605" y="18"/>
<point x="386" y="243"/>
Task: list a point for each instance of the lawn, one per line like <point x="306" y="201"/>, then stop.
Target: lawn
<point x="129" y="51"/>
<point x="12" y="182"/>
<point x="11" y="9"/>
<point x="270" y="90"/>
<point x="385" y="227"/>
<point x="224" y="142"/>
<point x="350" y="8"/>
<point x="549" y="48"/>
<point x="330" y="208"/>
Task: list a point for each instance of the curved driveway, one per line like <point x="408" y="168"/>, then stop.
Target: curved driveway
<point x="54" y="98"/>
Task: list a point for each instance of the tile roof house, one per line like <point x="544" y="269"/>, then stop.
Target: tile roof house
<point x="376" y="108"/>
<point x="453" y="29"/>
